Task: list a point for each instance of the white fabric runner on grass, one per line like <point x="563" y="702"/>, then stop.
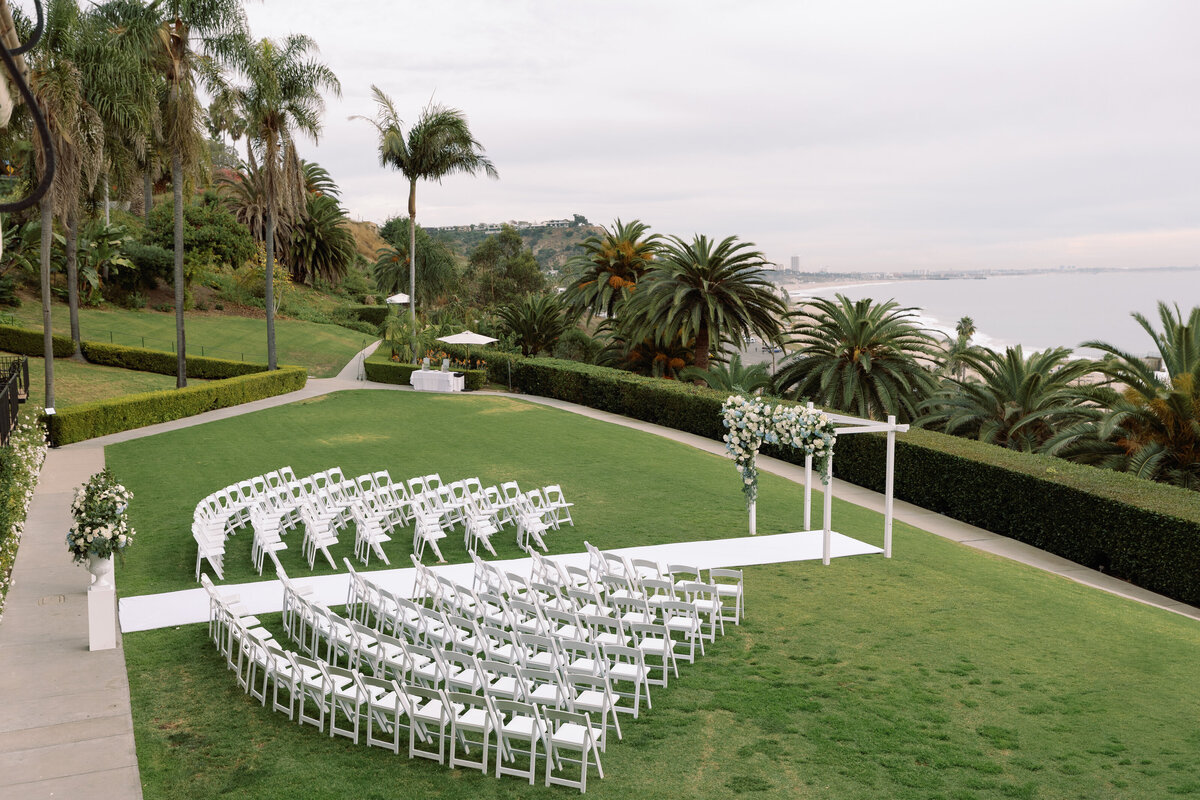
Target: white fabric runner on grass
<point x="151" y="611"/>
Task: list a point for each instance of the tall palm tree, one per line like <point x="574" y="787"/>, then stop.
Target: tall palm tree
<point x="189" y="39"/>
<point x="714" y="292"/>
<point x="437" y="271"/>
<point x="438" y="144"/>
<point x="122" y="89"/>
<point x="862" y="357"/>
<point x="282" y="95"/>
<point x="1019" y="402"/>
<point x="611" y="266"/>
<point x="76" y="130"/>
<point x="1143" y="424"/>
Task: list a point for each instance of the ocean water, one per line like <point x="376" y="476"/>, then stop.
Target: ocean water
<point x="1040" y="311"/>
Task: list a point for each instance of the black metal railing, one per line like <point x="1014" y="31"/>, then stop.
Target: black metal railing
<point x="14" y="390"/>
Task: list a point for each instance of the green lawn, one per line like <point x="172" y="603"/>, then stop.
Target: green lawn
<point x="323" y="349"/>
<point x="615" y="475"/>
<point x="76" y="382"/>
<point x="942" y="673"/>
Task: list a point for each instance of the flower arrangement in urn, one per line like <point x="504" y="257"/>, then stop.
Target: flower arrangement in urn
<point x="101" y="526"/>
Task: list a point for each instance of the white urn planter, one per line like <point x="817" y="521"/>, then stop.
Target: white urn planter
<point x="102" y="571"/>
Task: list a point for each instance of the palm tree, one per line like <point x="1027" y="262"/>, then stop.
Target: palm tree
<point x="536" y="322"/>
<point x="734" y="377"/>
<point x="437" y="272"/>
<point x="1019" y="402"/>
<point x="189" y="38"/>
<point x="76" y="130"/>
<point x="862" y="357"/>
<point x="440" y="143"/>
<point x="610" y="267"/>
<point x="282" y="94"/>
<point x="713" y="292"/>
<point x="1143" y="424"/>
<point x="322" y="246"/>
<point x="959" y="347"/>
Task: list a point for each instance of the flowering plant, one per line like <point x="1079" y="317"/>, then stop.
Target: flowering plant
<point x="752" y="422"/>
<point x="101" y="526"/>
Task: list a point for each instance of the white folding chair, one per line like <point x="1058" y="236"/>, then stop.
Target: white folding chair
<point x="472" y="714"/>
<point x="627" y="665"/>
<point x="729" y="586"/>
<point x="518" y="722"/>
<point x="567" y="730"/>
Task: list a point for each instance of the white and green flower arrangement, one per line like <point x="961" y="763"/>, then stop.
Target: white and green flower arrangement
<point x="751" y="422"/>
<point x="101" y="526"/>
<point x="20" y="465"/>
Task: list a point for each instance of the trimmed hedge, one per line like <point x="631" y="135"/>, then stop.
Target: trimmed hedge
<point x="1134" y="529"/>
<point x="164" y="363"/>
<point x="1144" y="532"/>
<point x="102" y="417"/>
<point x="29" y="342"/>
<point x="375" y="315"/>
<point x="401" y="374"/>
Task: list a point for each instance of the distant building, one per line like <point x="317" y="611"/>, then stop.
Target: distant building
<point x="795" y="263"/>
<point x="557" y="223"/>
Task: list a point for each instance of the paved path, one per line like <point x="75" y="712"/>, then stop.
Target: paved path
<point x="66" y="730"/>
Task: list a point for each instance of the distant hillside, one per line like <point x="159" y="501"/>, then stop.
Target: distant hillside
<point x="551" y="246"/>
<point x="366" y="238"/>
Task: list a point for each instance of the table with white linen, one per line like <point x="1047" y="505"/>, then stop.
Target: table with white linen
<point x="429" y="380"/>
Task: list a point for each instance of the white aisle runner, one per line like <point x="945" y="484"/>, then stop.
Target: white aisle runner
<point x="147" y="612"/>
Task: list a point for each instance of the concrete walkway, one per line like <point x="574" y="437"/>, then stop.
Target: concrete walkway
<point x="67" y="730"/>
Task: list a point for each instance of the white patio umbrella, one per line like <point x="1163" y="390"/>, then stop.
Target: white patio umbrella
<point x="397" y="299"/>
<point x="468" y="338"/>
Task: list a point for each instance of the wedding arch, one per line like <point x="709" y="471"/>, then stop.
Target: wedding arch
<point x="751" y="422"/>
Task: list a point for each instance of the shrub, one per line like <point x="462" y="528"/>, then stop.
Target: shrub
<point x="20" y="462"/>
<point x="1137" y="530"/>
<point x="374" y="315"/>
<point x="29" y="342"/>
<point x="383" y="371"/>
<point x="143" y="360"/>
<point x="208" y="230"/>
<point x="102" y="417"/>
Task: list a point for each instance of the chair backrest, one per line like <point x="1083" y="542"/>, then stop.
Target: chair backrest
<point x="510" y="490"/>
<point x="647" y="568"/>
<point x="683" y="572"/>
<point x="511" y="709"/>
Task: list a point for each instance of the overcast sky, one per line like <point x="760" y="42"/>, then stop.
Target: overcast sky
<point x="856" y="135"/>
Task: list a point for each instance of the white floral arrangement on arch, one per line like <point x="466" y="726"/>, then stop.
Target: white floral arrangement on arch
<point x="751" y="422"/>
<point x="101" y="526"/>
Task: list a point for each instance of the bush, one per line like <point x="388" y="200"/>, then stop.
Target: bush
<point x="383" y="371"/>
<point x="374" y="315"/>
<point x="208" y="230"/>
<point x="29" y="342"/>
<point x="102" y="417"/>
<point x="20" y="462"/>
<point x="151" y="264"/>
<point x="143" y="360"/>
<point x="1134" y="529"/>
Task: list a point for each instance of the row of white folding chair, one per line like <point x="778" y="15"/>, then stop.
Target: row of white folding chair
<point x="498" y="671"/>
<point x="336" y="692"/>
<point x="479" y="626"/>
<point x="428" y="670"/>
<point x="554" y="631"/>
<point x="727" y="583"/>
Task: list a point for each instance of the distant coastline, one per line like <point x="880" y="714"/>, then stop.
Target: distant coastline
<point x="799" y="284"/>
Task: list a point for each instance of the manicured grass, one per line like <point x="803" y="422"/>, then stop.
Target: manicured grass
<point x="941" y="673"/>
<point x="76" y="382"/>
<point x="323" y="349"/>
<point x="629" y="488"/>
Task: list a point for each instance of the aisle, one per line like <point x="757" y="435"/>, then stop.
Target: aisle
<point x="151" y="611"/>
